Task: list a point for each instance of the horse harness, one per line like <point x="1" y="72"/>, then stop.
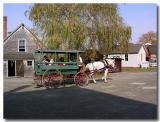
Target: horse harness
<point x="106" y="64"/>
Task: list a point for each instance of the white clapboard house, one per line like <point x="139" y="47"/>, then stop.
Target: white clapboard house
<point x="136" y="56"/>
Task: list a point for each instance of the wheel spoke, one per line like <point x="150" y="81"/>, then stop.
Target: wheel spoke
<point x="80" y="79"/>
<point x="52" y="78"/>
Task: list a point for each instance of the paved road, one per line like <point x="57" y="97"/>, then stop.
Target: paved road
<point x="125" y="96"/>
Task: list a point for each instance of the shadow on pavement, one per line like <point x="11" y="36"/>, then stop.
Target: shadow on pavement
<point x="73" y="103"/>
<point x="19" y="88"/>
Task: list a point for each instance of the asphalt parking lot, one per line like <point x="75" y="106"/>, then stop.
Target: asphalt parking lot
<point x="124" y="96"/>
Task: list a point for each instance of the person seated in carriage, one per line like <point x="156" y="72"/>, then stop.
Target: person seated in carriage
<point x="104" y="57"/>
<point x="46" y="60"/>
<point x="61" y="59"/>
<point x="51" y="62"/>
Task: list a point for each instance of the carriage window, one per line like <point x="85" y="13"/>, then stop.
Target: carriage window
<point x="73" y="57"/>
<point x="60" y="58"/>
<point x="126" y="57"/>
<point x="22" y="47"/>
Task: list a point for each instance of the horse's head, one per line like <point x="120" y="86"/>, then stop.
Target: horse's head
<point x="111" y="62"/>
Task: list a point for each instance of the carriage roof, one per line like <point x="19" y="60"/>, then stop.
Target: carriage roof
<point x="57" y="51"/>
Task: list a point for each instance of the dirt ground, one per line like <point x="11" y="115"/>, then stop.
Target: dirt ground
<point x="124" y="96"/>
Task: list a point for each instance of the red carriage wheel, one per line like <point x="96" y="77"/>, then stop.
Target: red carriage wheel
<point x="52" y="78"/>
<point x="81" y="79"/>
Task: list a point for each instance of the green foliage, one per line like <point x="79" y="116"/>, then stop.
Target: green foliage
<point x="91" y="55"/>
<point x="81" y="26"/>
<point x="60" y="25"/>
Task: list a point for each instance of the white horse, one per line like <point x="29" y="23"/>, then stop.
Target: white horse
<point x="99" y="66"/>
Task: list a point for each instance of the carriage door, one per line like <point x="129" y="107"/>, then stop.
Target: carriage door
<point x="11" y="68"/>
<point x="20" y="68"/>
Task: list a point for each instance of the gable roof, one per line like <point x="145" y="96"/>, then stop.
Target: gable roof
<point x="152" y="49"/>
<point x="133" y="49"/>
<point x="22" y="25"/>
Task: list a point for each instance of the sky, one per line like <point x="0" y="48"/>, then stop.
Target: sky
<point x="141" y="17"/>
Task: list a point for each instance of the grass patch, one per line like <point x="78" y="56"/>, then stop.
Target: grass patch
<point x="127" y="69"/>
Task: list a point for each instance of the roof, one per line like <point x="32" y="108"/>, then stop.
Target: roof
<point x="58" y="51"/>
<point x="152" y="49"/>
<point x="22" y="25"/>
<point x="18" y="56"/>
<point x="133" y="49"/>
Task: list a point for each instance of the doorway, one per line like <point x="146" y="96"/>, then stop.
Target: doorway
<point x="20" y="68"/>
<point x="11" y="68"/>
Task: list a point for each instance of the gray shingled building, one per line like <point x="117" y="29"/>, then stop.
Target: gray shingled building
<point x="18" y="52"/>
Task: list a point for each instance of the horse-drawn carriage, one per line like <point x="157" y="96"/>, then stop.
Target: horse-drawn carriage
<point x="52" y="67"/>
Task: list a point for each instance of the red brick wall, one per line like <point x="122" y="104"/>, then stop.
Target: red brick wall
<point x="4" y="27"/>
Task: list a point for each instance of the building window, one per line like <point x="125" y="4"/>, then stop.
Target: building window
<point x="22" y="45"/>
<point x="29" y="63"/>
<point x="126" y="57"/>
<point x="116" y="56"/>
<point x="147" y="58"/>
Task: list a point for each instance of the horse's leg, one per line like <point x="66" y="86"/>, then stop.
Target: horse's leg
<point x="103" y="78"/>
<point x="105" y="75"/>
<point x="88" y="77"/>
<point x="91" y="75"/>
<point x="93" y="79"/>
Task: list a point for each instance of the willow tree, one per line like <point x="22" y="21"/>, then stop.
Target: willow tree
<point x="78" y="26"/>
<point x="106" y="29"/>
<point x="60" y="24"/>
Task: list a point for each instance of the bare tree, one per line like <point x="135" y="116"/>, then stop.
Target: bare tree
<point x="149" y="37"/>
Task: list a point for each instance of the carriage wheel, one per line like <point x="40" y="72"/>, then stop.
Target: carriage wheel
<point x="52" y="78"/>
<point x="81" y="79"/>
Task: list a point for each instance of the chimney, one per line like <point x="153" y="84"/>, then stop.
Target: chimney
<point x="4" y="27"/>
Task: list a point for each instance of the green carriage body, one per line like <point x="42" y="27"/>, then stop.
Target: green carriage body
<point x="69" y="67"/>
